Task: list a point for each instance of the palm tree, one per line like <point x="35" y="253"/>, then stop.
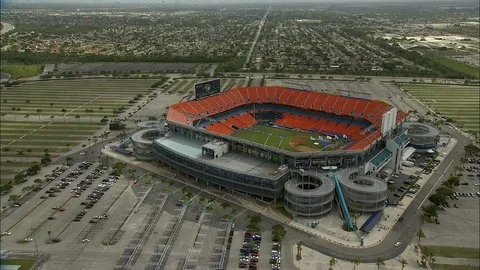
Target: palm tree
<point x="39" y="111"/>
<point x="132" y="173"/>
<point x="403" y="262"/>
<point x="380" y="261"/>
<point x="51" y="104"/>
<point x="299" y="251"/>
<point x="423" y="217"/>
<point x="225" y="205"/>
<point x="459" y="169"/>
<point x="356" y="261"/>
<point x="27" y="101"/>
<point x="29" y="151"/>
<point x="332" y="262"/>
<point x="52" y="116"/>
<point x="13" y="110"/>
<point x="27" y="116"/>
<point x="20" y="153"/>
<point x="77" y="117"/>
<point x="4" y="101"/>
<point x="420" y="234"/>
<point x="3" y="115"/>
<point x="63" y="111"/>
<point x="89" y="112"/>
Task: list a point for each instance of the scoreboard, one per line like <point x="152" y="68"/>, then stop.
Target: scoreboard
<point x="208" y="88"/>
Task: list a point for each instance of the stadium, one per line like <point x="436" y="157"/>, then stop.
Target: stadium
<point x="312" y="149"/>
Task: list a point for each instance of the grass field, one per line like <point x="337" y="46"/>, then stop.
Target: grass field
<point x="454" y="252"/>
<point x="458" y="102"/>
<point x="458" y="66"/>
<point x="435" y="266"/>
<point x="75" y="96"/>
<point x="21" y="71"/>
<point x="286" y="139"/>
<point x="24" y="264"/>
<point x="31" y="135"/>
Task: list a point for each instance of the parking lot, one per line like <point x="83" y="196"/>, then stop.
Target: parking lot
<point x="459" y="223"/>
<point x="97" y="221"/>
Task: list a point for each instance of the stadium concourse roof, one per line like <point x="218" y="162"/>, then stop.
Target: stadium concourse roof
<point x="371" y="110"/>
<point x="234" y="161"/>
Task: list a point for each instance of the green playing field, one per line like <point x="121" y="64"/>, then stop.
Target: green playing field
<point x="286" y="139"/>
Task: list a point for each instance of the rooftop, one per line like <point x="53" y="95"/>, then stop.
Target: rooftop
<point x="381" y="157"/>
<point x="234" y="161"/>
<point x="402" y="139"/>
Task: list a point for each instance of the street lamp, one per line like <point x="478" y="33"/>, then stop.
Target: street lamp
<point x="35" y="241"/>
<point x="156" y="242"/>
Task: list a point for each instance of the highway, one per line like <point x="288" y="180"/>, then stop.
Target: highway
<point x="260" y="26"/>
<point x="6" y="28"/>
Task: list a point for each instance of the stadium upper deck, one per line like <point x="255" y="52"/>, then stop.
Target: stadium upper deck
<point x="190" y="112"/>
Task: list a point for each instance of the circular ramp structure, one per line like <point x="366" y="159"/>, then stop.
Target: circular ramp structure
<point x="309" y="195"/>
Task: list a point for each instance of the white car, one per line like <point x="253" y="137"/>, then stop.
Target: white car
<point x="7" y="233"/>
<point x="397" y="244"/>
<point x="29" y="239"/>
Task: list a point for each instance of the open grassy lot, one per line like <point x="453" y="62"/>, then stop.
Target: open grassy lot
<point x="24" y="139"/>
<point x="287" y="139"/>
<point x="454" y="252"/>
<point x="24" y="264"/>
<point x="24" y="143"/>
<point x="458" y="102"/>
<point x="47" y="98"/>
<point x="21" y="71"/>
<point x="458" y="66"/>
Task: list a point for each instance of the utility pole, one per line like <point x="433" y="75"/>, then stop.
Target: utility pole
<point x="35" y="241"/>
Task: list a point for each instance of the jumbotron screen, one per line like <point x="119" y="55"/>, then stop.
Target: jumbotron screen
<point x="206" y="89"/>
